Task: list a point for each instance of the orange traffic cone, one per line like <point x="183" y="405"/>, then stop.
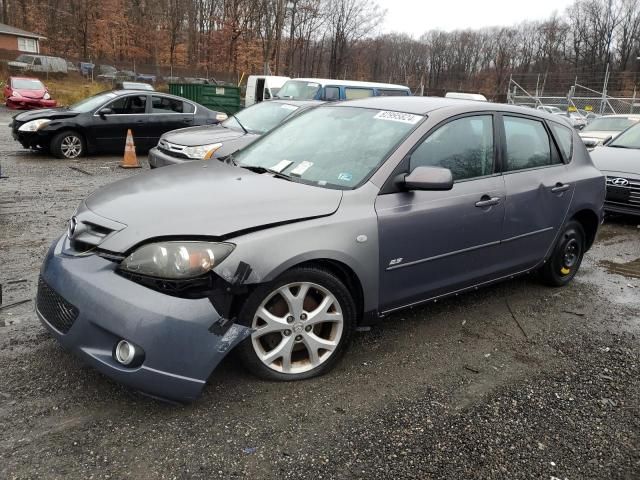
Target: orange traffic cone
<point x="130" y="160"/>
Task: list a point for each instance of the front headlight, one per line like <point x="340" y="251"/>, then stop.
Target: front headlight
<point x="176" y="260"/>
<point x="34" y="125"/>
<point x="46" y="96"/>
<point x="201" y="152"/>
<point x="16" y="94"/>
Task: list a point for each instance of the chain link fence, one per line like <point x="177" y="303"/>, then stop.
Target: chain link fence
<point x="578" y="98"/>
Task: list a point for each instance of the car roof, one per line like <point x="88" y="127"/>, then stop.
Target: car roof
<point x="24" y="78"/>
<point x="424" y="105"/>
<point x="633" y="116"/>
<point x="349" y="83"/>
<point x="300" y="103"/>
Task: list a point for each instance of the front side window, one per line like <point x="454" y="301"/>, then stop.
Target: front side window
<point x="564" y="136"/>
<point x="331" y="147"/>
<point x="129" y="105"/>
<point x="355" y="93"/>
<point x="261" y="117"/>
<point x="528" y="144"/>
<point x="299" y="90"/>
<point x="166" y="105"/>
<point x="464" y="146"/>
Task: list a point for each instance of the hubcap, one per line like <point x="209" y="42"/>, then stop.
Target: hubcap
<point x="306" y="342"/>
<point x="71" y="146"/>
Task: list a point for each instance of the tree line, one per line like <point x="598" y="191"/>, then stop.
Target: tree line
<point x="334" y="38"/>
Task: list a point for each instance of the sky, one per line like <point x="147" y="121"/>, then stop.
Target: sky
<point x="415" y="17"/>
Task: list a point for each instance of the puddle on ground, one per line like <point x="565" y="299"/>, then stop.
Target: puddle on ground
<point x="629" y="269"/>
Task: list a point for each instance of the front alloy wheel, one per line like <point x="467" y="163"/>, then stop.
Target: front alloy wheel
<point x="300" y="324"/>
<point x="68" y="145"/>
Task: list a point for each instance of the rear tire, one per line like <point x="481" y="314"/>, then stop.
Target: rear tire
<point x="302" y="324"/>
<point x="68" y="145"/>
<point x="566" y="257"/>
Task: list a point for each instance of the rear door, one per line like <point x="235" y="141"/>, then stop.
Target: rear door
<point x="166" y="114"/>
<point x="538" y="187"/>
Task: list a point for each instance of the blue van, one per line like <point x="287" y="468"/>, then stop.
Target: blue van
<point x="333" y="90"/>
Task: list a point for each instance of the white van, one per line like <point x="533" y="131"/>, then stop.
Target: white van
<point x="262" y="87"/>
<point x="39" y="63"/>
<point x="332" y="90"/>
<point x="466" y="96"/>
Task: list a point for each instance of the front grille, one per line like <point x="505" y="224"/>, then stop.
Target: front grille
<point x="172" y="149"/>
<point x="623" y="191"/>
<point x="59" y="313"/>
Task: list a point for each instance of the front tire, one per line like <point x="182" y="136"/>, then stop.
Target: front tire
<point x="565" y="260"/>
<point x="68" y="145"/>
<point x="302" y="324"/>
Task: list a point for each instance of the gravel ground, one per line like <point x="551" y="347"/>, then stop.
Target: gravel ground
<point x="513" y="381"/>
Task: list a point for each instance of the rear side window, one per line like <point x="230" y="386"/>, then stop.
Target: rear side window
<point x="331" y="93"/>
<point x="382" y="92"/>
<point x="528" y="144"/>
<point x="464" y="146"/>
<point x="168" y="105"/>
<point x="564" y="137"/>
<point x="355" y="93"/>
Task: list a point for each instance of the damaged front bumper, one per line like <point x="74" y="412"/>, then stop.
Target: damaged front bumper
<point x="89" y="308"/>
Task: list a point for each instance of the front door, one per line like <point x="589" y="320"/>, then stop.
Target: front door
<point x="437" y="242"/>
<point x="127" y="112"/>
<point x="539" y="191"/>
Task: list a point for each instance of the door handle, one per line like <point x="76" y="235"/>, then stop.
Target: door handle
<point x="560" y="187"/>
<point x="187" y="120"/>
<point x="487" y="201"/>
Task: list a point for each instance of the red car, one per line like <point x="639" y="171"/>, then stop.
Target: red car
<point x="26" y="93"/>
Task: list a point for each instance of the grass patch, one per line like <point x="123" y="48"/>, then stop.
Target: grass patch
<point x="70" y="91"/>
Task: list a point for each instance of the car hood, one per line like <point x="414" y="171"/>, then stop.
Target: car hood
<point x="618" y="160"/>
<point x="203" y="199"/>
<point x="30" y="93"/>
<point x="598" y="134"/>
<point x="51" y="113"/>
<point x="202" y="135"/>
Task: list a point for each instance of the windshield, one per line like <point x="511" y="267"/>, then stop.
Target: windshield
<point x="628" y="139"/>
<point x="298" y="90"/>
<point x="27" y="84"/>
<point x="91" y="103"/>
<point x="335" y="147"/>
<point x="24" y="59"/>
<point x="260" y="118"/>
<point x="609" y="124"/>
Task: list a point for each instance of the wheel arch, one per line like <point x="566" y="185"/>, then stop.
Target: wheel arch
<point x="590" y="223"/>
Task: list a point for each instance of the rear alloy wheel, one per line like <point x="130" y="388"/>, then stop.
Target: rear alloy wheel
<point x="566" y="258"/>
<point x="301" y="325"/>
<point x="68" y="144"/>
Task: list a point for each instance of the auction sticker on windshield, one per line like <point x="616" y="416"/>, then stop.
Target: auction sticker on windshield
<point x="398" y="117"/>
<point x="300" y="169"/>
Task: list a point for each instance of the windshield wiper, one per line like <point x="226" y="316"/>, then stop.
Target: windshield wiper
<point x="246" y="132"/>
<point x="257" y="169"/>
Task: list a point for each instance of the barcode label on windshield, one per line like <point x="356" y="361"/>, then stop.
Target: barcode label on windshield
<point x="398" y="117"/>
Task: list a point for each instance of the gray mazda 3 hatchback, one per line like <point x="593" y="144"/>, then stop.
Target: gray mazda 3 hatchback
<point x="329" y="222"/>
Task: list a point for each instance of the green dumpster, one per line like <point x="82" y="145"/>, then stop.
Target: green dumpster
<point x="222" y="98"/>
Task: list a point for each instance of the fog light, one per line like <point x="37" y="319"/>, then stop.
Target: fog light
<point x="125" y="352"/>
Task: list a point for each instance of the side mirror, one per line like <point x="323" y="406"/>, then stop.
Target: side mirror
<point x="105" y="111"/>
<point x="429" y="178"/>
